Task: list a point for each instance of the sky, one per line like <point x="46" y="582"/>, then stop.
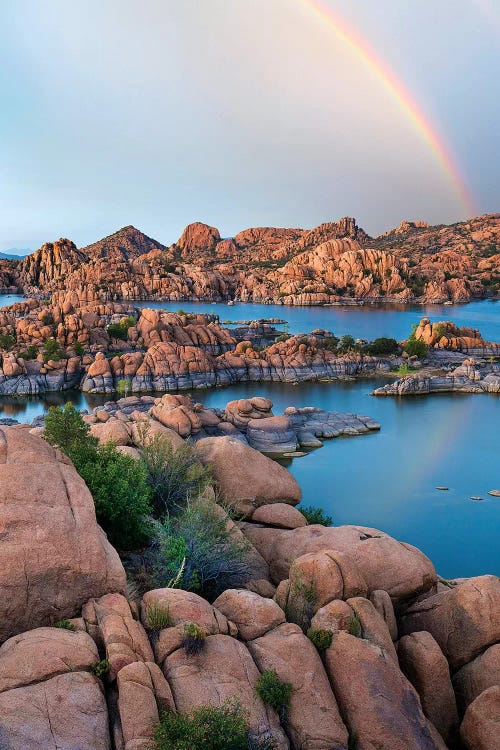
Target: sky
<point x="243" y="113"/>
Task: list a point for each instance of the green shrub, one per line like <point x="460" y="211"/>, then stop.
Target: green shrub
<point x="346" y="343"/>
<point x="274" y="692"/>
<point x="197" y="548"/>
<point x="116" y="482"/>
<point x="6" y="341"/>
<point x="354" y="626"/>
<point x="100" y="668"/>
<point x="47" y="319"/>
<point x="382" y="345"/>
<point x="123" y="387"/>
<point x="31" y="352"/>
<point x="173" y="474"/>
<point x="65" y="624"/>
<point x="206" y="728"/>
<point x="315" y="515"/>
<point x="415" y="348"/>
<point x="51" y="350"/>
<point x="79" y="349"/>
<point x="65" y="428"/>
<point x="120" y="330"/>
<point x="120" y="491"/>
<point x="403" y="370"/>
<point x="158" y="617"/>
<point x="194" y="638"/>
<point x="320" y="637"/>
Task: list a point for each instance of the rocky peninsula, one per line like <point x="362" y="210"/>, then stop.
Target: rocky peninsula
<point x="334" y="637"/>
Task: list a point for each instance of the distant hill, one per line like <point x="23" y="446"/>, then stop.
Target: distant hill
<point x="13" y="253"/>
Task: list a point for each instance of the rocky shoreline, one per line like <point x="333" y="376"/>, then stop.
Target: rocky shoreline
<point x="372" y="644"/>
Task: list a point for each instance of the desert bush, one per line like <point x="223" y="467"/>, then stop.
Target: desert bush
<point x="51" y="350"/>
<point x="158" y="617"/>
<point x="120" y="330"/>
<point x="346" y="343"/>
<point x="79" y="349"/>
<point x="354" y="626"/>
<point x="415" y="348"/>
<point x="116" y="482"/>
<point x="315" y="515"/>
<point x="65" y="625"/>
<point x="123" y="387"/>
<point x="206" y="728"/>
<point x="274" y="691"/>
<point x="6" y="341"/>
<point x="382" y="345"/>
<point x="121" y="494"/>
<point x="65" y="429"/>
<point x="100" y="668"/>
<point x="194" y="638"/>
<point x="173" y="474"/>
<point x="197" y="549"/>
<point x="31" y="352"/>
<point x="321" y="638"/>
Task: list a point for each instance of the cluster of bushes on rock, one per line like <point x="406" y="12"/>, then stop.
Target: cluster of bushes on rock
<point x="156" y="502"/>
<point x="120" y="330"/>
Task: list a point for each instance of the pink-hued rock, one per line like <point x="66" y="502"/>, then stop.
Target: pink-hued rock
<point x="383" y="604"/>
<point x="39" y="654"/>
<point x="478" y="675"/>
<point x="398" y="568"/>
<point x="252" y="614"/>
<point x="373" y="626"/>
<point x="124" y="638"/>
<point x="112" y="431"/>
<point x="53" y="555"/>
<point x="333" y="616"/>
<point x="313" y="720"/>
<point x="183" y="607"/>
<point x="480" y="729"/>
<point x="65" y="712"/>
<point x="143" y="693"/>
<point x="379" y="705"/>
<point x="424" y="664"/>
<point x="257" y="481"/>
<point x="223" y="670"/>
<point x="464" y="620"/>
<point x="279" y="514"/>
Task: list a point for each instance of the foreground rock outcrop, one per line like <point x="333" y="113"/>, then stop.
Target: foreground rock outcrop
<point x="376" y="650"/>
<point x="53" y="555"/>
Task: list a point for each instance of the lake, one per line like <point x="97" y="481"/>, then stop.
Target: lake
<point x="388" y="479"/>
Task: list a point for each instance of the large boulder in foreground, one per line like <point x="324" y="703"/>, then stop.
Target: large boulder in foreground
<point x="384" y="563"/>
<point x="65" y="712"/>
<point x="425" y="665"/>
<point x="246" y="478"/>
<point x="53" y="555"/>
<point x="480" y="728"/>
<point x="478" y="675"/>
<point x="379" y="705"/>
<point x="313" y="720"/>
<point x="223" y="670"/>
<point x="464" y="620"/>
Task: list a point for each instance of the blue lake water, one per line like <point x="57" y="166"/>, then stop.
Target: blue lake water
<point x="388" y="479"/>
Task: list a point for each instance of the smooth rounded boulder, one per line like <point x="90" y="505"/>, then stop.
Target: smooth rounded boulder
<point x="313" y="721"/>
<point x="480" y="729"/>
<point x="246" y="478"/>
<point x="53" y="555"/>
<point x="425" y="665"/>
<point x="464" y="620"/>
<point x="252" y="614"/>
<point x="377" y="702"/>
<point x="478" y="675"/>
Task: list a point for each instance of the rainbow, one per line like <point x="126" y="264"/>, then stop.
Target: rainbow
<point x="397" y="89"/>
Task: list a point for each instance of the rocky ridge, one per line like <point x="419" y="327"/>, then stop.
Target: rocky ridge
<point x="335" y="261"/>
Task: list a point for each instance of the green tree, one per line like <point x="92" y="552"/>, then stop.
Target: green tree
<point x="6" y="341"/>
<point x="65" y="428"/>
<point x="383" y="345"/>
<point x="346" y="343"/>
<point x="51" y="350"/>
<point x="415" y="348"/>
<point x="123" y="387"/>
<point x="174" y="474"/>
